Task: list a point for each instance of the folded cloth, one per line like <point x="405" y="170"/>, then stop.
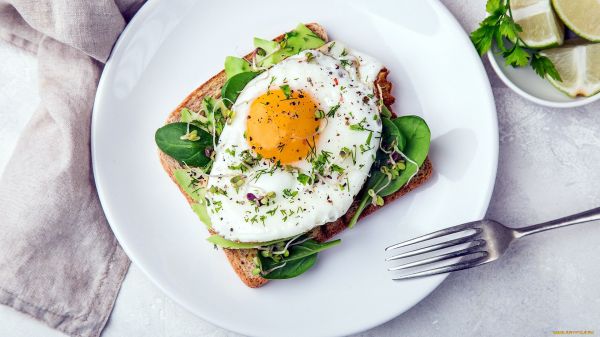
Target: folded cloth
<point x="59" y="261"/>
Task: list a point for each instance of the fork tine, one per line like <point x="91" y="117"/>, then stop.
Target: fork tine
<point x="435" y="247"/>
<point x="434" y="235"/>
<point x="443" y="257"/>
<point x="446" y="269"/>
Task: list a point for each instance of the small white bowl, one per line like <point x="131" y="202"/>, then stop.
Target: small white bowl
<point x="525" y="82"/>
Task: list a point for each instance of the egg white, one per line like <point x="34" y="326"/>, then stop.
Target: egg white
<point x="330" y="81"/>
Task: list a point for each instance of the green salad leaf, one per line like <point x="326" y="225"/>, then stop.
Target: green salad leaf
<point x="232" y="88"/>
<point x="269" y="53"/>
<point x="185" y="143"/>
<point x="187" y="116"/>
<point x="388" y="178"/>
<point x="295" y="41"/>
<point x="188" y="184"/>
<point x="215" y="112"/>
<point x="390" y="133"/>
<point x="300" y="258"/>
<point x="418" y="135"/>
<point x="191" y="187"/>
<point x="202" y="212"/>
<point x="265" y="47"/>
<point x="235" y="65"/>
<point x="292" y="268"/>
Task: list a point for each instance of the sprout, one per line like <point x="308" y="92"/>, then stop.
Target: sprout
<point x="191" y="136"/>
<point x="229" y="115"/>
<point x="238" y="181"/>
<point x="376" y="199"/>
<point x="216" y="190"/>
<point x="265" y="253"/>
<point x="274" y="268"/>
<point x="319" y="114"/>
<point x="309" y="57"/>
<point x="267" y="198"/>
<point x="261" y="200"/>
<point x="400" y="166"/>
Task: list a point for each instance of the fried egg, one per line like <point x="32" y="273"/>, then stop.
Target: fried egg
<point x="299" y="148"/>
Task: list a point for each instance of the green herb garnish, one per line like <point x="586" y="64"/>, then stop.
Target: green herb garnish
<point x="303" y="179"/>
<point x="500" y="27"/>
<point x="360" y="126"/>
<point x="286" y="90"/>
<point x="332" y="110"/>
<point x="288" y="193"/>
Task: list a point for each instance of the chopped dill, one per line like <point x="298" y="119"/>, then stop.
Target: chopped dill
<point x="286" y="90"/>
<point x="332" y="110"/>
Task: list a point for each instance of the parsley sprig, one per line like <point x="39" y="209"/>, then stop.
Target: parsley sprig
<point x="499" y="27"/>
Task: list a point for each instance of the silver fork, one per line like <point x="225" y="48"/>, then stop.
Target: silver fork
<point x="487" y="240"/>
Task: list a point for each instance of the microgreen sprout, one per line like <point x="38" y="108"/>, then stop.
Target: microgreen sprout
<point x="238" y="181"/>
<point x="319" y="114"/>
<point x="286" y="91"/>
<point x="191" y="136"/>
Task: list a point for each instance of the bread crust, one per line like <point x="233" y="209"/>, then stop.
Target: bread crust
<point x="242" y="260"/>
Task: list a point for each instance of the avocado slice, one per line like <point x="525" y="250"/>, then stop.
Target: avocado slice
<point x="295" y="41"/>
<point x="235" y="65"/>
<point x="184" y="180"/>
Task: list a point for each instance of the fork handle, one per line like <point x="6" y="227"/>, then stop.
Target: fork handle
<point x="587" y="216"/>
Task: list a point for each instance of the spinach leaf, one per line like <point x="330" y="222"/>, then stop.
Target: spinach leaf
<point x="300" y="251"/>
<point x="232" y="88"/>
<point x="215" y="111"/>
<point x="292" y="268"/>
<point x="190" y="152"/>
<point x="311" y="247"/>
<point x="418" y="136"/>
<point x="390" y="133"/>
<point x="304" y="252"/>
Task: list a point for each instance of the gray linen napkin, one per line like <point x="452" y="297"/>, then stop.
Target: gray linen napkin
<point x="59" y="261"/>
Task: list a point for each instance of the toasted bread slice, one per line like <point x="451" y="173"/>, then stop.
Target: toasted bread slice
<point x="242" y="259"/>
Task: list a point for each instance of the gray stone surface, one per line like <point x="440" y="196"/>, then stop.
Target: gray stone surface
<point x="549" y="167"/>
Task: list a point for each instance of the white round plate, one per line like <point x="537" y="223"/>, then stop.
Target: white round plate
<point x="525" y="82"/>
<point x="171" y="47"/>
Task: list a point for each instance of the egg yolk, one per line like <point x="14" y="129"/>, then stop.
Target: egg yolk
<point x="283" y="128"/>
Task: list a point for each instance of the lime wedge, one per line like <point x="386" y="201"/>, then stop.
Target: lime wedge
<point x="517" y="4"/>
<point x="541" y="27"/>
<point x="579" y="67"/>
<point x="581" y="16"/>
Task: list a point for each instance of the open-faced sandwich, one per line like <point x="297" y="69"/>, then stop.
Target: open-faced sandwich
<point x="289" y="146"/>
